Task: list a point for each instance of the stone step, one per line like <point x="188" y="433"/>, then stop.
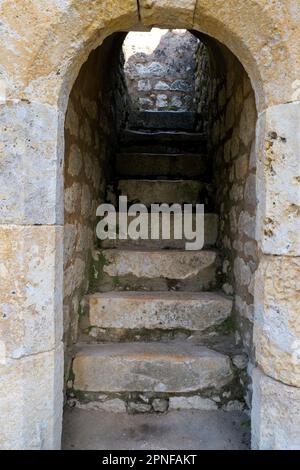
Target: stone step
<point x="174" y="367"/>
<point x="90" y="428"/>
<point x="163" y="191"/>
<point x="210" y="236"/>
<point x="151" y="165"/>
<point x="164" y="141"/>
<point x="158" y="310"/>
<point x="162" y="120"/>
<point x="119" y="269"/>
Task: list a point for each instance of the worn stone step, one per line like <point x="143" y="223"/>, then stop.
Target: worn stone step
<point x="163" y="191"/>
<point x="149" y="367"/>
<point x="120" y="269"/>
<point x="164" y="141"/>
<point x="152" y="165"/>
<point x="162" y="120"/>
<point x="91" y="428"/>
<point x="158" y="310"/>
<point x="210" y="236"/>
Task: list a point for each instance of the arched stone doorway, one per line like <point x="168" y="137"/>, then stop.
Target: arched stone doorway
<point x="35" y="88"/>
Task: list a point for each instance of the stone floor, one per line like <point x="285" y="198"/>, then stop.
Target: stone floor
<point x="177" y="430"/>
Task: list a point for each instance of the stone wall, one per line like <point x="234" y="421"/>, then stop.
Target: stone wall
<point x="231" y="113"/>
<point x="161" y="79"/>
<point x="96" y="111"/>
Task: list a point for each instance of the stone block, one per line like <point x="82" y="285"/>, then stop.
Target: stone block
<point x="158" y="310"/>
<point x="31" y="171"/>
<point x="31" y="404"/>
<point x="277" y="318"/>
<point x="149" y="367"/>
<point x="275" y="414"/>
<point x="192" y="403"/>
<point x="278" y="180"/>
<point x="167" y="12"/>
<point x="31" y="270"/>
<point x="152" y="264"/>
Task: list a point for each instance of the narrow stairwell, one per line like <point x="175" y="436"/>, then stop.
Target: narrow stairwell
<point x="156" y="331"/>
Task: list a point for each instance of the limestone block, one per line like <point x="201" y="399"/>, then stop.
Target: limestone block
<point x="275" y="414"/>
<point x="114" y="405"/>
<point x="162" y="310"/>
<point x="31" y="184"/>
<point x="277" y="318"/>
<point x="266" y="47"/>
<point x="149" y="367"/>
<point x="30" y="289"/>
<point x="278" y="180"/>
<point x="47" y="46"/>
<point x="192" y="403"/>
<point x="150" y="264"/>
<point x="167" y="12"/>
<point x="31" y="390"/>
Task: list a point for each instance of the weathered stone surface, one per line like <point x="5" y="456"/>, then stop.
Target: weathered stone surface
<point x="31" y="289"/>
<point x="161" y="310"/>
<point x="135" y="408"/>
<point x="146" y="367"/>
<point x="164" y="165"/>
<point x="146" y="270"/>
<point x="30" y="181"/>
<point x="277" y="318"/>
<point x="154" y="264"/>
<point x="114" y="405"/>
<point x="210" y="236"/>
<point x="31" y="404"/>
<point x="275" y="414"/>
<point x="160" y="405"/>
<point x="192" y="403"/>
<point x="168" y="12"/>
<point x="278" y="180"/>
<point x="232" y="23"/>
<point x="161" y="191"/>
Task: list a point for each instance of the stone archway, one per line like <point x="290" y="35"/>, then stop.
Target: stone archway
<point x="38" y="67"/>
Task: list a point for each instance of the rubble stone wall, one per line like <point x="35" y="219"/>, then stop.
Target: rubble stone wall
<point x="162" y="79"/>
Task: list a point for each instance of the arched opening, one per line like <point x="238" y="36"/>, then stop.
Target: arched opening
<point x="39" y="66"/>
<point x="135" y="311"/>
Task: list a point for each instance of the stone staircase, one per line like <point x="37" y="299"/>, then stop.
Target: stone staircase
<point x="156" y="333"/>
